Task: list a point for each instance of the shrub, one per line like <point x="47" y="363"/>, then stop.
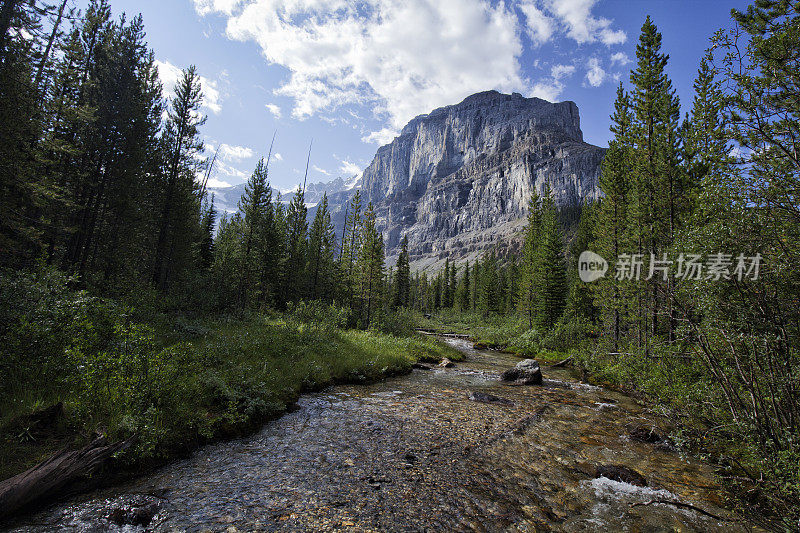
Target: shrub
<point x="320" y="315"/>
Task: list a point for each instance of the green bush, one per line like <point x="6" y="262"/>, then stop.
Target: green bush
<point x="324" y="316"/>
<point x="568" y="334"/>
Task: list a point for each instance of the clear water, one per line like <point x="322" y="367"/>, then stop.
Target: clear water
<point x="413" y="453"/>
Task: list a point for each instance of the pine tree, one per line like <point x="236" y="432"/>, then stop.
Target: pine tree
<point x="528" y="290"/>
<point x="297" y="229"/>
<point x="402" y="296"/>
<point x="580" y="302"/>
<point x="207" y="244"/>
<point x="254" y="204"/>
<point x="656" y="177"/>
<point x="182" y="145"/>
<point x="612" y="236"/>
<point x="321" y="249"/>
<point x="463" y="302"/>
<point x="550" y="268"/>
<point x="351" y="248"/>
<point x="371" y="267"/>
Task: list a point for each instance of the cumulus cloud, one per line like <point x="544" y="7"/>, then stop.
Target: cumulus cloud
<point x="274" y="109"/>
<point x="562" y="71"/>
<point x="539" y="27"/>
<point x="404" y="58"/>
<point x="204" y="7"/>
<point x="581" y="26"/>
<point x="349" y="168"/>
<point x="169" y="75"/>
<point x="228" y="170"/>
<point x="595" y="74"/>
<point x="620" y="59"/>
<point x="235" y="153"/>
<point x="382" y="136"/>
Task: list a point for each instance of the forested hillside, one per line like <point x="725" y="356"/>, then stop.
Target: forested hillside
<point x="132" y="306"/>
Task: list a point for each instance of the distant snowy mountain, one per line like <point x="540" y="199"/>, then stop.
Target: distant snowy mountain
<point x="226" y="199"/>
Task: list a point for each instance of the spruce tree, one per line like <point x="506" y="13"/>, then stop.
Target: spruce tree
<point x="207" y="243"/>
<point x="371" y="268"/>
<point x="528" y="289"/>
<point x="403" y="277"/>
<point x="321" y="249"/>
<point x="551" y="279"/>
<point x="182" y="145"/>
<point x="297" y="229"/>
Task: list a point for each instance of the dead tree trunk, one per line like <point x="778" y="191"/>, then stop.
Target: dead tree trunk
<point x="49" y="477"/>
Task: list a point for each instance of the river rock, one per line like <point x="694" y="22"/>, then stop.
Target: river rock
<point x="134" y="515"/>
<point x="482" y="397"/>
<point x="421" y="366"/>
<point x="479" y="346"/>
<point x="651" y="435"/>
<point x="446" y="363"/>
<point x="527" y="372"/>
<point x="621" y="473"/>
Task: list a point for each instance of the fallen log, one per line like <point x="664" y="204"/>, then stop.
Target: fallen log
<point x="54" y="474"/>
<point x="563" y="363"/>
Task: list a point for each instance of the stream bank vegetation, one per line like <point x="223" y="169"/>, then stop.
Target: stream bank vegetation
<point x="129" y="306"/>
<point x="719" y="352"/>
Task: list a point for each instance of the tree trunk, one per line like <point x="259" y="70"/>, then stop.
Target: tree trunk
<point x="51" y="476"/>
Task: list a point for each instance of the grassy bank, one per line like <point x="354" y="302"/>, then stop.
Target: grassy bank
<point x="510" y="333"/>
<point x="676" y="383"/>
<point x="179" y="384"/>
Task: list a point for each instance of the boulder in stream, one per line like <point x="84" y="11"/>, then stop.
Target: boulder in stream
<point x="446" y="363"/>
<point x="621" y="473"/>
<point x="482" y="397"/>
<point x="527" y="372"/>
<point x="421" y="366"/>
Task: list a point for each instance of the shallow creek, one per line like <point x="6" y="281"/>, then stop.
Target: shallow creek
<point x="414" y="453"/>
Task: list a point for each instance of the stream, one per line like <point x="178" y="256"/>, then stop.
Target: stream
<point x="415" y="453"/>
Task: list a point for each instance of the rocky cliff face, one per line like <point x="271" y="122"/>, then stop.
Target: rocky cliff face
<point x="458" y="180"/>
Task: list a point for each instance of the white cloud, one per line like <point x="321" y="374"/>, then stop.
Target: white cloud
<point x="562" y="71"/>
<point x="277" y="156"/>
<point x="169" y="75"/>
<point x="214" y="182"/>
<point x="539" y="27"/>
<point x="231" y="172"/>
<point x="274" y="109"/>
<point x="404" y="58"/>
<point x="349" y="168"/>
<point x="204" y="7"/>
<point x="595" y="74"/>
<point x="320" y="170"/>
<point x="235" y="153"/>
<point x="620" y="59"/>
<point x="381" y="137"/>
<point x="581" y="26"/>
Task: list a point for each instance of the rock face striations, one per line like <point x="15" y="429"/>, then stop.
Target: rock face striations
<point x="458" y="180"/>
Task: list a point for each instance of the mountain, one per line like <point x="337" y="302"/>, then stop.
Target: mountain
<point x="458" y="180"/>
<point x="226" y="199"/>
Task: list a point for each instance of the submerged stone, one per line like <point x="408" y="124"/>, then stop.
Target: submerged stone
<point x="483" y="397"/>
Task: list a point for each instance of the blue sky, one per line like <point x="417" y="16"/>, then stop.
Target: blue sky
<point x="349" y="73"/>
